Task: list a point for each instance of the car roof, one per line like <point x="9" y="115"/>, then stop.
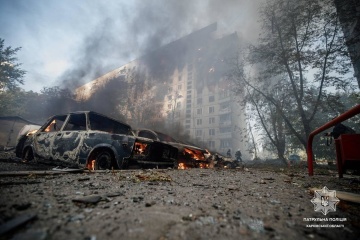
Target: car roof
<point x="92" y="112"/>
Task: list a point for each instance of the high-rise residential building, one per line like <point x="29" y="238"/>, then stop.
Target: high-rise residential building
<point x="186" y="81"/>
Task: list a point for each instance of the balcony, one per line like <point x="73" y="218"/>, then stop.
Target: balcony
<point x="224" y="135"/>
<point x="225" y="123"/>
<point x="225" y="110"/>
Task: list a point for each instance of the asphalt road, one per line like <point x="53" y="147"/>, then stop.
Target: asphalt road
<point x="254" y="202"/>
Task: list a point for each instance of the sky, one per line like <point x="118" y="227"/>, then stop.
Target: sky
<point x="70" y="42"/>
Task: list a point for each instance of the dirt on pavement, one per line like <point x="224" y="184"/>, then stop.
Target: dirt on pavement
<point x="250" y="202"/>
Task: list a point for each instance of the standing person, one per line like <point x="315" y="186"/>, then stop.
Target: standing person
<point x="238" y="156"/>
<point x="228" y="154"/>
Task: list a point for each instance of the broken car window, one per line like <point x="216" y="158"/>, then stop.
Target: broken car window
<point x="101" y="123"/>
<point x="147" y="134"/>
<point x="55" y="124"/>
<point x="77" y="122"/>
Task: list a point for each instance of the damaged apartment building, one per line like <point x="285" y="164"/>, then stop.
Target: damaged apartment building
<point x="182" y="85"/>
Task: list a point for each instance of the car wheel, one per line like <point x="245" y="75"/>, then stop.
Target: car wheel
<point x="104" y="160"/>
<point x="28" y="155"/>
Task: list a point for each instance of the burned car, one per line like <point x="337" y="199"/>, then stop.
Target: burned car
<point x="189" y="156"/>
<point x="94" y="141"/>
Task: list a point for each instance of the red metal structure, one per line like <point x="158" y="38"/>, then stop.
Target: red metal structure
<point x="347" y="146"/>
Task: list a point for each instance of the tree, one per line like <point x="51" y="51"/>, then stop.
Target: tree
<point x="270" y="122"/>
<point x="349" y="11"/>
<point x="302" y="48"/>
<point x="10" y="73"/>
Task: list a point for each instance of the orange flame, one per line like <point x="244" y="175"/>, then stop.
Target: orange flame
<point x="140" y="147"/>
<point x="181" y="166"/>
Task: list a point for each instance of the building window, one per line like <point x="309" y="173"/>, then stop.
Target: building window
<point x="170" y="89"/>
<point x="198" y="121"/>
<point x="225" y="117"/>
<point x="211" y="144"/>
<point x="211" y="109"/>
<point x="211" y="98"/>
<point x="178" y="105"/>
<point x="199" y="111"/>
<point x="187" y="121"/>
<point x="199" y="101"/>
<point x="225" y="129"/>
<point x="188" y="101"/>
<point x="180" y="77"/>
<point x="198" y="133"/>
<point x="187" y="126"/>
<point x="179" y="87"/>
<point x="177" y="114"/>
<point x="211" y="132"/>
<point x="225" y="143"/>
<point x="188" y="111"/>
<point x="211" y="120"/>
<point x="224" y="107"/>
<point x="188" y="92"/>
<point x="188" y="105"/>
<point x="199" y="91"/>
<point x="224" y="94"/>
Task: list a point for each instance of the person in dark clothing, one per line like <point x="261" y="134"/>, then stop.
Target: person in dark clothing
<point x="340" y="129"/>
<point x="238" y="156"/>
<point x="228" y="154"/>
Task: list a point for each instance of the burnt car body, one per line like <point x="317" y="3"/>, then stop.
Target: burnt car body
<point x="189" y="156"/>
<point x="89" y="139"/>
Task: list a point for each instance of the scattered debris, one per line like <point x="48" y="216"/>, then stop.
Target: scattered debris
<point x="93" y="199"/>
<point x="152" y="176"/>
<point x="15" y="223"/>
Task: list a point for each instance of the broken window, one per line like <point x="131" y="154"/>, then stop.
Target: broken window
<point x="102" y="123"/>
<point x="76" y="122"/>
<point x="55" y="124"/>
<point x="147" y="134"/>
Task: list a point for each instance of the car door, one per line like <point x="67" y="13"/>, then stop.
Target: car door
<point x="68" y="141"/>
<point x="44" y="138"/>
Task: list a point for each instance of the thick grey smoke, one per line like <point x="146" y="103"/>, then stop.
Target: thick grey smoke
<point x="147" y="25"/>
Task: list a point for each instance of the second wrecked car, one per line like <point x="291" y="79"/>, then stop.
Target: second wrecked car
<point x="189" y="156"/>
<point x="89" y="139"/>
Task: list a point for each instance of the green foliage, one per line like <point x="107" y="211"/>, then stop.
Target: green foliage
<point x="10" y="73"/>
<point x="302" y="68"/>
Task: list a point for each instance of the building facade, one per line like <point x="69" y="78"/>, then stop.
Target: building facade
<point x="187" y="83"/>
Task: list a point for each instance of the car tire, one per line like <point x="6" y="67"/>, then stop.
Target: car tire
<point x="104" y="160"/>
